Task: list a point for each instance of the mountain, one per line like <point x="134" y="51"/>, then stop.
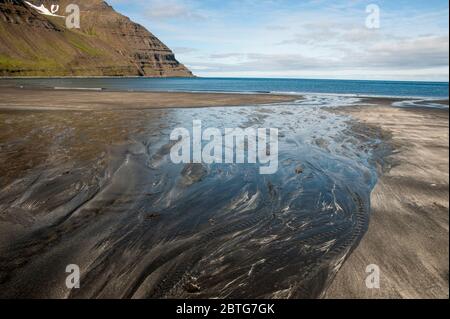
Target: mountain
<point x="107" y="43"/>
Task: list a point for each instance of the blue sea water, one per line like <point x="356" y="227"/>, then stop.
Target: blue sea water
<point x="244" y="85"/>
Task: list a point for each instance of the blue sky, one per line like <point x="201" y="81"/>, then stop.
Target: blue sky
<point x="301" y="39"/>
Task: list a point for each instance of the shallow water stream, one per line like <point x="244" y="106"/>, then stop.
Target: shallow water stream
<point x="140" y="226"/>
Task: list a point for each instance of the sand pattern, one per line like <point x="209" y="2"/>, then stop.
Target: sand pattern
<point x="98" y="189"/>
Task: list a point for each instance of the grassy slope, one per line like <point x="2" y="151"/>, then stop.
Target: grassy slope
<point x="45" y="47"/>
<point x="48" y="52"/>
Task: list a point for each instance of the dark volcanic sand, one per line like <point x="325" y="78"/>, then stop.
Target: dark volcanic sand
<point x="97" y="189"/>
<point x="408" y="236"/>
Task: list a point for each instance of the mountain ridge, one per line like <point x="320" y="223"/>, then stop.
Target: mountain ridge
<point x="107" y="44"/>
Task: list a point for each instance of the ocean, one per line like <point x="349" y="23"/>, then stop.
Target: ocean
<point x="433" y="90"/>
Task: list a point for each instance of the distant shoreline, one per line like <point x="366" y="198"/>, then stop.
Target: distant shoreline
<point x="206" y="78"/>
<point x="90" y="99"/>
<point x="263" y="97"/>
<point x="293" y="87"/>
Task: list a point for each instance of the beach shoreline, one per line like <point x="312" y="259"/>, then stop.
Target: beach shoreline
<point x="89" y="100"/>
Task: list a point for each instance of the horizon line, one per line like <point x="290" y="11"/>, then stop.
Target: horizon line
<point x="222" y="77"/>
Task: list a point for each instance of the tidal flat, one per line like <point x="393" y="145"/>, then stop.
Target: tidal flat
<point x="96" y="188"/>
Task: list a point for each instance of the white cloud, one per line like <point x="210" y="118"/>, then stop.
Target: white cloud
<point x="301" y="38"/>
<point x="184" y="50"/>
<point x="420" y="52"/>
<point x="171" y="9"/>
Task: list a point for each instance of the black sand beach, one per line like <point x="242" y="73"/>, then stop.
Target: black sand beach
<point x="408" y="235"/>
<point x="86" y="180"/>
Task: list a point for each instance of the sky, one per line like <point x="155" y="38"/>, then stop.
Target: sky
<point x="301" y="38"/>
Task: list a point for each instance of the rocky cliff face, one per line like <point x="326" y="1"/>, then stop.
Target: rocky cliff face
<point x="107" y="44"/>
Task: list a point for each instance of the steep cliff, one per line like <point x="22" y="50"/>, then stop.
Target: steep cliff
<point x="107" y="43"/>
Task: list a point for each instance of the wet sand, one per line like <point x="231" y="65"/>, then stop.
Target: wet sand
<point x="78" y="100"/>
<point x="89" y="182"/>
<point x="408" y="236"/>
<point x="97" y="189"/>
